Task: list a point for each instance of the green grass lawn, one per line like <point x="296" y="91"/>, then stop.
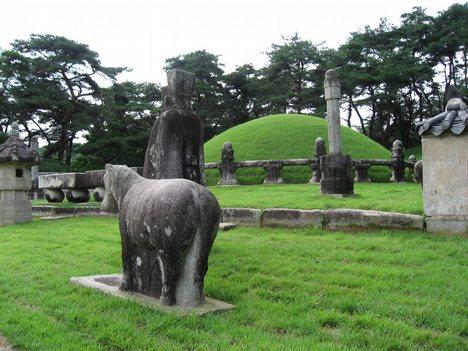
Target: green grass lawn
<point x="401" y="197"/>
<point x="293" y="290"/>
<point x="288" y="136"/>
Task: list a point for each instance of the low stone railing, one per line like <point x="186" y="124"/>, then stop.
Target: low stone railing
<point x="75" y="186"/>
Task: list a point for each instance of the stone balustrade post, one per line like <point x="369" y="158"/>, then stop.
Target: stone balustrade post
<point x="398" y="162"/>
<point x="362" y="173"/>
<point x="273" y="173"/>
<point x="227" y="169"/>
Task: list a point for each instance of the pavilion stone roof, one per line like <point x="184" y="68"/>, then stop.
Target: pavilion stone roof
<point x="15" y="150"/>
<point x="454" y="119"/>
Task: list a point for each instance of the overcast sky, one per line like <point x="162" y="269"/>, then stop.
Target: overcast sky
<point x="141" y="34"/>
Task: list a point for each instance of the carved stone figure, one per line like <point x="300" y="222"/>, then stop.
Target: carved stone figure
<point x="175" y="147"/>
<point x="319" y="150"/>
<point x="418" y="171"/>
<point x="227" y="167"/>
<point x="398" y="162"/>
<point x="167" y="229"/>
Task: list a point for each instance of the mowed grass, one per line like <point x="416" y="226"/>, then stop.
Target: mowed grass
<point x="390" y="197"/>
<point x="288" y="136"/>
<point x="293" y="290"/>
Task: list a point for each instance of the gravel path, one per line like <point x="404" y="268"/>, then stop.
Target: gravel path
<point x="4" y="345"/>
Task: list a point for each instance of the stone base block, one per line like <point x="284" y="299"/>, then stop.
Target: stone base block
<point x="447" y="224"/>
<point x="245" y="216"/>
<point x="336" y="174"/>
<point x="109" y="284"/>
<point x="286" y="218"/>
<point x="349" y="219"/>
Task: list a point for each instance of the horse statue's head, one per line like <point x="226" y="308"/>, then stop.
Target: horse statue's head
<point x="117" y="180"/>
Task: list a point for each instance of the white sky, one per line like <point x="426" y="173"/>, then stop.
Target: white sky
<point x="141" y="34"/>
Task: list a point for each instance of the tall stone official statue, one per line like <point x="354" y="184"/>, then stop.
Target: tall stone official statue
<point x="175" y="147"/>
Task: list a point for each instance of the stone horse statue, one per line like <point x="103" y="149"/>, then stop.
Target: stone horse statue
<point x="167" y="229"/>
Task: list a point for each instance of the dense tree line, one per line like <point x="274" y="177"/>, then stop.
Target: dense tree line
<point x="392" y="76"/>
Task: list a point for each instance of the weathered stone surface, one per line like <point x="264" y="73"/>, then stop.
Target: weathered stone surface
<point x="337" y="175"/>
<point x="225" y="226"/>
<point x="447" y="224"/>
<point x="245" y="216"/>
<point x="288" y="218"/>
<point x="362" y="173"/>
<point x="398" y="162"/>
<point x="332" y="87"/>
<point x="366" y="219"/>
<point x="93" y="179"/>
<point x="77" y="195"/>
<point x="63" y="181"/>
<point x="175" y="147"/>
<point x="273" y="173"/>
<point x="110" y="283"/>
<point x="319" y="151"/>
<point x="54" y="195"/>
<point x="99" y="193"/>
<point x="418" y="171"/>
<point x="445" y="180"/>
<point x="167" y="229"/>
<point x="16" y="159"/>
<point x="227" y="167"/>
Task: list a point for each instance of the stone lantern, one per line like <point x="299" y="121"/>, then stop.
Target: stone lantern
<point x="16" y="160"/>
<point x="445" y="166"/>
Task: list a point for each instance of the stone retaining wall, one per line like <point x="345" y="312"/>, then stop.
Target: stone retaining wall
<point x="336" y="219"/>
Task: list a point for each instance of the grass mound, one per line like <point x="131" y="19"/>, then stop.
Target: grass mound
<point x="288" y="136"/>
<point x="293" y="290"/>
<point x="416" y="151"/>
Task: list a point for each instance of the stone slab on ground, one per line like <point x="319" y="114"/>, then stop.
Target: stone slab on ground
<point x="367" y="219"/>
<point x="227" y="226"/>
<point x="282" y="217"/>
<point x="246" y="216"/>
<point x="109" y="284"/>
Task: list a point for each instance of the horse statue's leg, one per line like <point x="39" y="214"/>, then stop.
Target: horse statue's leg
<point x="126" y="256"/>
<point x="168" y="266"/>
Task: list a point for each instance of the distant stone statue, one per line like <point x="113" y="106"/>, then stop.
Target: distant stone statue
<point x="398" y="162"/>
<point x="175" y="147"/>
<point x="319" y="151"/>
<point x="167" y="229"/>
<point x="227" y="167"/>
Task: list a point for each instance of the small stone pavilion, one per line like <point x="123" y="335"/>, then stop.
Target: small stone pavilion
<point x="16" y="160"/>
<point x="445" y="166"/>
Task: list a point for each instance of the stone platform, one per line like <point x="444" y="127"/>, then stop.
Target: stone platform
<point x="109" y="284"/>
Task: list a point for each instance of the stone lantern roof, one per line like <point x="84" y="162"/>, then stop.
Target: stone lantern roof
<point x="454" y="119"/>
<point x="15" y="150"/>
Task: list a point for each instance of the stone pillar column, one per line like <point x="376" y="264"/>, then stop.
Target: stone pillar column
<point x="336" y="168"/>
<point x="319" y="151"/>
